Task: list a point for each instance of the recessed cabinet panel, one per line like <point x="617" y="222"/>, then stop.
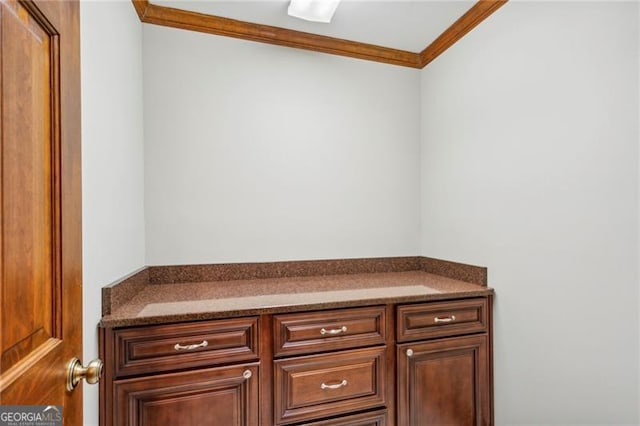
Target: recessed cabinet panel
<point x="217" y="396"/>
<point x="444" y="382"/>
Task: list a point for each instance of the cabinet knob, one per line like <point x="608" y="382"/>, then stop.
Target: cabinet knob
<point x="247" y="374"/>
<point x="409" y="352"/>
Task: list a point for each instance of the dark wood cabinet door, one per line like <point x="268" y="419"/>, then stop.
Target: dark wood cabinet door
<point x="215" y="396"/>
<point x="444" y="382"/>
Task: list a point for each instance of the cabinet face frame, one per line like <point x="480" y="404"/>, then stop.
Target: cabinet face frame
<point x="430" y="359"/>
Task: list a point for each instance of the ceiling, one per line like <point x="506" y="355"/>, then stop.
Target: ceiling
<point x="387" y="31"/>
<point x="403" y="25"/>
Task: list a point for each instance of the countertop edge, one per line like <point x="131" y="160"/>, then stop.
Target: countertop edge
<point x="107" y="322"/>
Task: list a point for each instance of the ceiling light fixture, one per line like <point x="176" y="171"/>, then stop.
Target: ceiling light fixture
<point x="313" y="10"/>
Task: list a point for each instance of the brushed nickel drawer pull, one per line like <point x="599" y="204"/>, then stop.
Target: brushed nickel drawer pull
<point x="336" y="386"/>
<point x="447" y="319"/>
<point x="247" y="374"/>
<point x="342" y="329"/>
<point x="179" y="347"/>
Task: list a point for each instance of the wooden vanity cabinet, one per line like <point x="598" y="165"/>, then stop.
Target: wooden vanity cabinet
<point x="414" y="364"/>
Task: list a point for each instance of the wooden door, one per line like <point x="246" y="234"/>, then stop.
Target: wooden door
<point x="40" y="222"/>
<point x="444" y="382"/>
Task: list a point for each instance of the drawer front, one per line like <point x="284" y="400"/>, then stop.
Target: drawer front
<point x="179" y="346"/>
<point x="322" y="331"/>
<point x="376" y="418"/>
<point x="312" y="387"/>
<point x="451" y="318"/>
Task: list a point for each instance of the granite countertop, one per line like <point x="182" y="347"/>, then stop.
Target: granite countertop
<point x="156" y="303"/>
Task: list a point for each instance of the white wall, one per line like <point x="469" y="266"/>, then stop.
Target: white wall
<point x="257" y="152"/>
<point x="112" y="160"/>
<point x="530" y="167"/>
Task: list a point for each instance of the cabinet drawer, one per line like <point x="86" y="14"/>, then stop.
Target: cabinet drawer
<point x="321" y="331"/>
<point x="451" y="318"/>
<point x="316" y="386"/>
<point x="376" y="418"/>
<point x="178" y="346"/>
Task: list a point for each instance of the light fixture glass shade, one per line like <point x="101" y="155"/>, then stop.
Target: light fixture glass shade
<point x="313" y="10"/>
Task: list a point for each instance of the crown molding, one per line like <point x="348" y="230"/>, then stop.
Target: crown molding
<point x="471" y="19"/>
<point x="141" y="8"/>
<point x="194" y="21"/>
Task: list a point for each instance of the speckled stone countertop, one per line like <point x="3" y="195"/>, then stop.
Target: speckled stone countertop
<point x="174" y="302"/>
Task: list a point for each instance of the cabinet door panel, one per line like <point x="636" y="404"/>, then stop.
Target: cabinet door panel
<point x="444" y="382"/>
<point x="224" y="395"/>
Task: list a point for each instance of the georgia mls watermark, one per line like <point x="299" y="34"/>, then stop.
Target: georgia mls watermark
<point x="30" y="415"/>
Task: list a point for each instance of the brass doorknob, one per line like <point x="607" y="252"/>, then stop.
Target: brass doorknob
<point x="76" y="372"/>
